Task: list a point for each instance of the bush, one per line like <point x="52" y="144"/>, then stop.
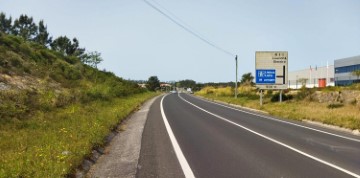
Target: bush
<point x="25" y="49"/>
<point x="10" y="41"/>
<point x="48" y="56"/>
<point x="227" y="91"/>
<point x="71" y="74"/>
<point x="251" y="96"/>
<point x="63" y="100"/>
<point x="46" y="100"/>
<point x="335" y="105"/>
<point x="276" y="97"/>
<point x="15" y="62"/>
<point x="305" y="93"/>
<point x="13" y="103"/>
<point x="269" y="93"/>
<point x="71" y="59"/>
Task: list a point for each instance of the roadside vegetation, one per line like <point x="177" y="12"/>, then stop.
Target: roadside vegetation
<point x="338" y="106"/>
<point x="55" y="105"/>
<point x="53" y="144"/>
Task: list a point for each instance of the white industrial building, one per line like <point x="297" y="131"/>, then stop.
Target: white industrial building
<point x="313" y="76"/>
<point x="339" y="74"/>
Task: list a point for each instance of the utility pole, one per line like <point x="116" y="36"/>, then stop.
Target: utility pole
<point x="236" y="88"/>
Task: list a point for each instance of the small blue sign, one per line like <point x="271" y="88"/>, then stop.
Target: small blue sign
<point x="265" y="76"/>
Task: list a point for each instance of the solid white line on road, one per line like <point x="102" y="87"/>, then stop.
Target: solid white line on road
<point x="182" y="160"/>
<point x="275" y="141"/>
<point x="290" y="123"/>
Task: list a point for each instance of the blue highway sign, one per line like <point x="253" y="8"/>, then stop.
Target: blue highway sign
<point x="265" y="76"/>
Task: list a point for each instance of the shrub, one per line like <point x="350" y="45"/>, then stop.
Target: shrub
<point x="13" y="103"/>
<point x="64" y="99"/>
<point x="206" y="90"/>
<point x="355" y="86"/>
<point x="13" y="58"/>
<point x="353" y="102"/>
<point x="305" y="93"/>
<point x="251" y="96"/>
<point x="335" y="105"/>
<point x="15" y="62"/>
<point x="70" y="73"/>
<point x="25" y="49"/>
<point x="276" y="97"/>
<point x="71" y="59"/>
<point x="11" y="41"/>
<point x="48" y="56"/>
<point x="269" y="93"/>
<point x="227" y="91"/>
<point x="47" y="100"/>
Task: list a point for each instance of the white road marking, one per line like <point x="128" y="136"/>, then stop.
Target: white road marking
<point x="182" y="160"/>
<point x="290" y="123"/>
<point x="275" y="141"/>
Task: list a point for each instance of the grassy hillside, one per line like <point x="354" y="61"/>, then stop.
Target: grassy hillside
<point x="54" y="109"/>
<point x="338" y="106"/>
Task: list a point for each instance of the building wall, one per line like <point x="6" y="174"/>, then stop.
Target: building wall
<point x="344" y="68"/>
<point x="312" y="76"/>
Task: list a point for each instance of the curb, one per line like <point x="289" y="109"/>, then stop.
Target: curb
<point x="333" y="127"/>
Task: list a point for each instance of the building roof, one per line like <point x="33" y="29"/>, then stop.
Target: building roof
<point x="315" y="72"/>
<point x="347" y="61"/>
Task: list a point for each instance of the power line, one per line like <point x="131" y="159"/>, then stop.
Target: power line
<point x="177" y="18"/>
<point x="186" y="28"/>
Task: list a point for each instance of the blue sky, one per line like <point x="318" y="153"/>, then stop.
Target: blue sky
<point x="137" y="42"/>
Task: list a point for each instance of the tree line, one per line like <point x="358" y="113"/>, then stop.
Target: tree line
<point x="25" y="27"/>
<point x="153" y="83"/>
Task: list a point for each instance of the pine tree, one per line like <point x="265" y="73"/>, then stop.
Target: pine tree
<point x="61" y="44"/>
<point x="43" y="36"/>
<point x="5" y="24"/>
<point x="25" y="27"/>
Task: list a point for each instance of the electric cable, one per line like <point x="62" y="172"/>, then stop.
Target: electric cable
<point x="183" y="26"/>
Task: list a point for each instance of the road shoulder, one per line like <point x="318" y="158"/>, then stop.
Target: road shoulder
<point x="157" y="157"/>
<point x="120" y="158"/>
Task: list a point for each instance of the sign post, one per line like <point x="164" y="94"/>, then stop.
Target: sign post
<point x="271" y="69"/>
<point x="236" y="78"/>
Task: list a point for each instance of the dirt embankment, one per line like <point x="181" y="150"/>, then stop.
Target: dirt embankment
<point x="30" y="83"/>
<point x="343" y="97"/>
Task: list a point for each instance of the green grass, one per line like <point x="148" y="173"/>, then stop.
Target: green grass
<point x="55" y="109"/>
<point x="52" y="144"/>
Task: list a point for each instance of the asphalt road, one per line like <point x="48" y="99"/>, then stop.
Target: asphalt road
<point x="222" y="141"/>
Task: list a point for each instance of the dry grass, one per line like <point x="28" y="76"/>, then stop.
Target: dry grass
<point x="347" y="116"/>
